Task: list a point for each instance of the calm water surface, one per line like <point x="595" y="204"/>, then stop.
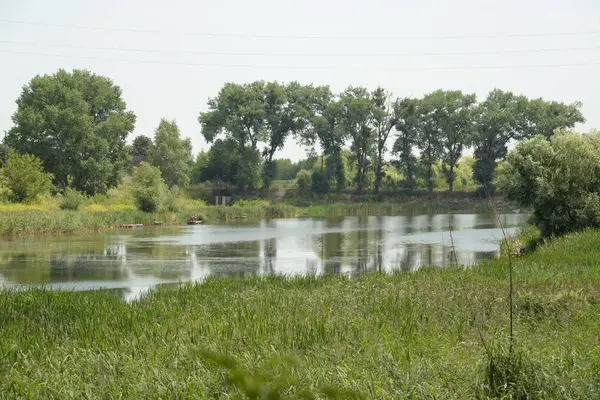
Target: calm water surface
<point x="137" y="259"/>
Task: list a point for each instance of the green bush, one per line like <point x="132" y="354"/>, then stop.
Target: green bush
<point x="304" y="180"/>
<point x="559" y="179"/>
<point x="71" y="199"/>
<point x="320" y="185"/>
<point x="148" y="187"/>
<point x="25" y="177"/>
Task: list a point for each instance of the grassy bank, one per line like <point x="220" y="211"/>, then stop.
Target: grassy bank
<point x="436" y="333"/>
<point x="39" y="219"/>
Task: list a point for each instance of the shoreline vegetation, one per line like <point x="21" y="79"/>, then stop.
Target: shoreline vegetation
<point x="434" y="332"/>
<point x="44" y="219"/>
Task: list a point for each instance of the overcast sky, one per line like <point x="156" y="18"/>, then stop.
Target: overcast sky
<point x="159" y="52"/>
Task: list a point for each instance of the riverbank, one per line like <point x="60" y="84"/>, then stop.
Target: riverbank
<point x="432" y="333"/>
<point x="35" y="220"/>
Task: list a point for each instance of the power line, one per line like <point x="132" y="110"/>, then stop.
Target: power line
<point x="253" y="36"/>
<point x="170" y="51"/>
<point x="305" y="67"/>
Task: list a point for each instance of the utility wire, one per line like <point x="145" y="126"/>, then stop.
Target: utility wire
<point x="305" y="67"/>
<point x="171" y="51"/>
<point x="253" y="36"/>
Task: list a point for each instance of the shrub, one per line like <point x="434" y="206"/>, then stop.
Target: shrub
<point x="320" y="185"/>
<point x="71" y="199"/>
<point x="304" y="180"/>
<point x="148" y="187"/>
<point x="25" y="177"/>
<point x="559" y="179"/>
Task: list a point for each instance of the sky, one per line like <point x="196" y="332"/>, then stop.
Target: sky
<point x="169" y="58"/>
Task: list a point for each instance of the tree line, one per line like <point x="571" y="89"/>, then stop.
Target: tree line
<point x="248" y="123"/>
<point x="77" y="123"/>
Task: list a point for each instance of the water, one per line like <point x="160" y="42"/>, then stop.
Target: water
<point x="135" y="260"/>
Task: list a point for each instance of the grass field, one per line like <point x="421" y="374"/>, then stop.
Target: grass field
<point x="434" y="333"/>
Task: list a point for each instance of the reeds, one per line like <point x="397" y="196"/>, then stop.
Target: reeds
<point x="379" y="336"/>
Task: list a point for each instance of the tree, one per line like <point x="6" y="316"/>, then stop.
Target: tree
<point x="326" y="129"/>
<point x="77" y="124"/>
<point x="559" y="179"/>
<point x="357" y="113"/>
<point x="172" y="154"/>
<point x="408" y="125"/>
<point x="25" y="178"/>
<point x="455" y="114"/>
<point x="148" y="187"/>
<point x="200" y="167"/>
<point x="504" y="117"/>
<point x="304" y="180"/>
<point x="431" y="114"/>
<point x="384" y="120"/>
<point x="141" y="149"/>
<point x="545" y="117"/>
<point x="286" y="113"/>
<point x="238" y="113"/>
<point x="223" y="160"/>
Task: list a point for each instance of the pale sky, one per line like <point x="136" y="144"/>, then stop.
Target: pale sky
<point x="158" y="52"/>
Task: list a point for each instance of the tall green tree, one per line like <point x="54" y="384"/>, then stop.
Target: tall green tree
<point x="172" y="154"/>
<point x="357" y="113"/>
<point x="408" y="125"/>
<point x="286" y="114"/>
<point x="504" y="117"/>
<point x="455" y="114"/>
<point x="384" y="121"/>
<point x="326" y="129"/>
<point x="76" y="123"/>
<point x="499" y="119"/>
<point x="238" y="114"/>
<point x="430" y="139"/>
<point x="148" y="187"/>
<point x="141" y="149"/>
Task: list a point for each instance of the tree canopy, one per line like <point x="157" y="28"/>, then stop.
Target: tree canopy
<point x="77" y="124"/>
<point x="172" y="154"/>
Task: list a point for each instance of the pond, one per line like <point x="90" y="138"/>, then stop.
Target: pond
<point x="134" y="260"/>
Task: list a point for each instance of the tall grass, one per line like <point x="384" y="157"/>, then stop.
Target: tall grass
<point x="378" y="336"/>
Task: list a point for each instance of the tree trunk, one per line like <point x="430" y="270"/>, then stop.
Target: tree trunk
<point x="378" y="170"/>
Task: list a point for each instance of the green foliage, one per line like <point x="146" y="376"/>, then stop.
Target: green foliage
<point x="408" y="131"/>
<point x="514" y="376"/>
<point x="286" y="169"/>
<point x="148" y="187"/>
<point x="25" y="177"/>
<point x="141" y="149"/>
<point x="559" y="179"/>
<point x="319" y="182"/>
<point x="222" y="162"/>
<point x="172" y="154"/>
<point x="304" y="180"/>
<point x="77" y="124"/>
<point x="356" y="113"/>
<point x="504" y="117"/>
<point x="200" y="166"/>
<point x="71" y="199"/>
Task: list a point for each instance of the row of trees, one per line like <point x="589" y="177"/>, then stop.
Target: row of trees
<point x="249" y="123"/>
<point x="77" y="124"/>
